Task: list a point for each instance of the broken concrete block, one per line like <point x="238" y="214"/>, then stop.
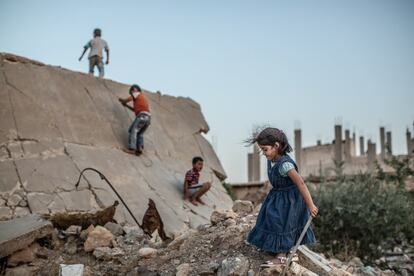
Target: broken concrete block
<point x="63" y="220"/>
<point x="115" y="228"/>
<point x="21" y="212"/>
<point x="22" y="270"/>
<point x="243" y="207"/>
<point x="183" y="270"/>
<point x="98" y="237"/>
<point x="13" y="200"/>
<point x="314" y="262"/>
<point x="222" y="215"/>
<point x="18" y="233"/>
<point x="5" y="213"/>
<point x="103" y="253"/>
<point x="147" y="252"/>
<point x="71" y="270"/>
<point x="73" y="230"/>
<point x="234" y="266"/>
<point x="24" y="256"/>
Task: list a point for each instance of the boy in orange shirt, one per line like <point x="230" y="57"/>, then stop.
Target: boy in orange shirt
<point x="141" y="122"/>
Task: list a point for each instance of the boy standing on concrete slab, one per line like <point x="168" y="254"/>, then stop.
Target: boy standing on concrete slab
<point x="141" y="122"/>
<point x="97" y="44"/>
<point x="193" y="190"/>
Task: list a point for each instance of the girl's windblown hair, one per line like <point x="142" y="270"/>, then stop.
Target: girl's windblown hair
<point x="268" y="137"/>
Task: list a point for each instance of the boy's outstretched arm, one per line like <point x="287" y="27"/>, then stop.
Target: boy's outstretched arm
<point x="303" y="189"/>
<point x="84" y="51"/>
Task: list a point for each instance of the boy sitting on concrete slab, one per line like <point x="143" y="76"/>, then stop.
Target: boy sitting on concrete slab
<point x="193" y="190"/>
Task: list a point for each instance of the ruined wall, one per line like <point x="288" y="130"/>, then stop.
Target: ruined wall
<point x="55" y="122"/>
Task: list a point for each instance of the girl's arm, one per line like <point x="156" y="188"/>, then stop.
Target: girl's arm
<point x="303" y="189"/>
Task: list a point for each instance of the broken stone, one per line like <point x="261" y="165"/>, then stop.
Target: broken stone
<point x="147" y="252"/>
<point x="13" y="200"/>
<point x="24" y="256"/>
<point x="21" y="212"/>
<point x="23" y="270"/>
<point x="19" y="233"/>
<point x="115" y="228"/>
<point x="98" y="237"/>
<point x="183" y="270"/>
<point x="236" y="266"/>
<point x="23" y="203"/>
<point x="71" y="270"/>
<point x="84" y="233"/>
<point x="71" y="246"/>
<point x="5" y="213"/>
<point x="243" y="207"/>
<point x="2" y="202"/>
<point x="117" y="252"/>
<point x="103" y="253"/>
<point x="133" y="234"/>
<point x="73" y="230"/>
<point x="177" y="242"/>
<point x="84" y="219"/>
<point x="220" y="216"/>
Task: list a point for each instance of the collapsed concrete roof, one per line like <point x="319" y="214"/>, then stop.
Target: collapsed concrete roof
<point x="55" y="122"/>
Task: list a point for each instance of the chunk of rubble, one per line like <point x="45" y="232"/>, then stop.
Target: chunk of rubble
<point x="24" y="256"/>
<point x="222" y="215"/>
<point x="115" y="228"/>
<point x="243" y="207"/>
<point x="98" y="237"/>
<point x="71" y="270"/>
<point x="63" y="220"/>
<point x="147" y="252"/>
<point x="19" y="233"/>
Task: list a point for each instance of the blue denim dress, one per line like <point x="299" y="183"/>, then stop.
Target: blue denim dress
<point x="283" y="214"/>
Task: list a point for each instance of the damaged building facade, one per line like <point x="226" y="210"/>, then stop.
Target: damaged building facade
<point x="323" y="159"/>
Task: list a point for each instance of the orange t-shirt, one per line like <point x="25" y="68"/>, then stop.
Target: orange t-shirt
<point x="140" y="102"/>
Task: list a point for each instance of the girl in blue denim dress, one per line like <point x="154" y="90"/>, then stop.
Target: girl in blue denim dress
<point x="288" y="205"/>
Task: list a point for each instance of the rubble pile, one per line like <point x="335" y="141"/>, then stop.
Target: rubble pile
<point x="218" y="248"/>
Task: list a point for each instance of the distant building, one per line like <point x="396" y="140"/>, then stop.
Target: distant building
<point x="322" y="159"/>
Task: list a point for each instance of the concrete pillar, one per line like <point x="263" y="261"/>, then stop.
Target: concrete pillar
<point x="256" y="163"/>
<point x="347" y="150"/>
<point x="249" y="167"/>
<point x="298" y="147"/>
<point x="382" y="141"/>
<point x="353" y="147"/>
<point x="338" y="143"/>
<point x="408" y="137"/>
<point x="361" y="146"/>
<point x="372" y="155"/>
<point x="389" y="143"/>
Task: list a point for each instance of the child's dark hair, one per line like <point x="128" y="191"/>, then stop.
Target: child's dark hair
<point x="268" y="137"/>
<point x="97" y="32"/>
<point x="131" y="89"/>
<point x="196" y="159"/>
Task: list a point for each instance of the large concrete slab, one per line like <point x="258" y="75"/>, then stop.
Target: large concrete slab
<point x="57" y="122"/>
<point x="19" y="233"/>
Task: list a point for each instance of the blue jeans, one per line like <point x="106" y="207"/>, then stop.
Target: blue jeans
<point x="96" y="61"/>
<point x="137" y="129"/>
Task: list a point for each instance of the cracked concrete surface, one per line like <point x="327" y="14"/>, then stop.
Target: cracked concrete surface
<point x="55" y="122"/>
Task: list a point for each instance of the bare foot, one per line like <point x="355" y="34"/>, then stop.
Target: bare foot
<point x="202" y="202"/>
<point x="194" y="202"/>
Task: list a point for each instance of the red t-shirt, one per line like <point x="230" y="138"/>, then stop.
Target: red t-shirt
<point x="140" y="102"/>
<point x="192" y="177"/>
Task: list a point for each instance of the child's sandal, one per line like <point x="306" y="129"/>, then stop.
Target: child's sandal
<point x="280" y="260"/>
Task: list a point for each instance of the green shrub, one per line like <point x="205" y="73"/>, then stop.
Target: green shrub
<point x="362" y="216"/>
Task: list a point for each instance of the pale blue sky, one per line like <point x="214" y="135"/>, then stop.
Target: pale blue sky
<point x="245" y="62"/>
